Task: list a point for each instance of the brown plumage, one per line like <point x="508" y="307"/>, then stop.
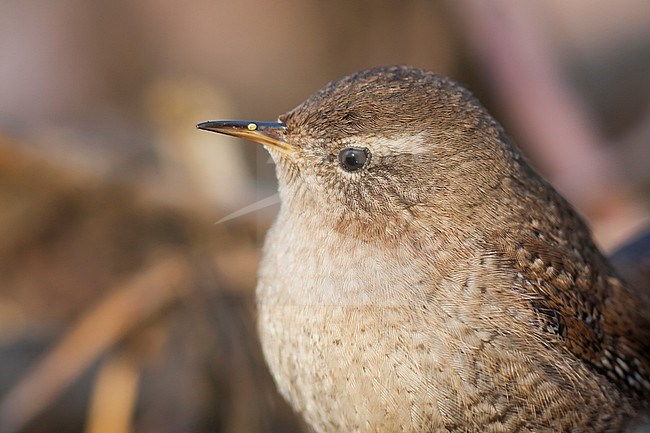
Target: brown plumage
<point x="420" y="276"/>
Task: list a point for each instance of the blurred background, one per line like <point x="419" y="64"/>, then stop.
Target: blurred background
<point x="123" y="306"/>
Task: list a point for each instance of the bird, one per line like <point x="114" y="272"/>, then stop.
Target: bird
<point x="421" y="276"/>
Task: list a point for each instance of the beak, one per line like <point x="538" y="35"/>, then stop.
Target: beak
<point x="266" y="133"/>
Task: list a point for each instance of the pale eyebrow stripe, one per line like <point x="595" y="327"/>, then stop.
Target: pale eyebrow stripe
<point x="381" y="146"/>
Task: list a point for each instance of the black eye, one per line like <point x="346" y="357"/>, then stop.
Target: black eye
<point x="353" y="158"/>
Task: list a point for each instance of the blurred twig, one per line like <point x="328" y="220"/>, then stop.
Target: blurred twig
<point x="121" y="311"/>
<point x="114" y="394"/>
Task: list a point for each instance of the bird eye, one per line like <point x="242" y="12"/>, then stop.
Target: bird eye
<point x="353" y="158"/>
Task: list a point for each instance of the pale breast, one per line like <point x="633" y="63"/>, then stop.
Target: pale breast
<point x="343" y="344"/>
